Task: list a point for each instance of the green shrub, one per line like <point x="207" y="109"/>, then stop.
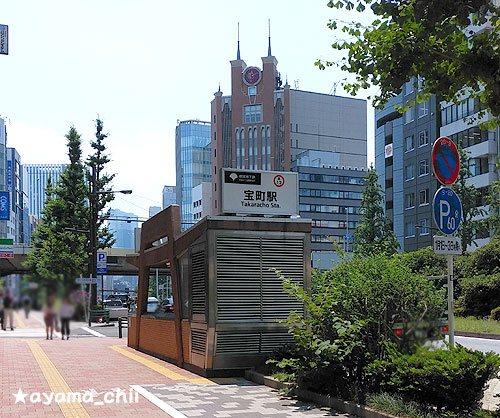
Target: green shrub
<point x="349" y="321"/>
<point x="451" y="379"/>
<point x="479" y="295"/>
<point x="495" y="314"/>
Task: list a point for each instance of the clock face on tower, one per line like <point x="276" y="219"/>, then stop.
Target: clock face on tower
<point x="251" y="76"/>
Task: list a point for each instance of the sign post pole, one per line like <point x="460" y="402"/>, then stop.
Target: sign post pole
<point x="447" y="212"/>
<point x="451" y="325"/>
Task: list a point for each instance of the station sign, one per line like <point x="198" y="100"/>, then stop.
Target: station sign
<point x="447" y="245"/>
<point x="445" y="160"/>
<point x="447" y="210"/>
<point x="260" y="192"/>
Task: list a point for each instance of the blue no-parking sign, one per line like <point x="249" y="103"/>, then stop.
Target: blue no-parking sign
<point x="447" y="210"/>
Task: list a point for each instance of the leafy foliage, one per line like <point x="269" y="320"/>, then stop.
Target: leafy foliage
<point x="450" y="379"/>
<point x="97" y="162"/>
<point x="495" y="314"/>
<point x="468" y="195"/>
<point x="349" y="321"/>
<point x="59" y="250"/>
<point x="425" y="262"/>
<point x="493" y="199"/>
<point x="374" y="233"/>
<point x="437" y="40"/>
<point x="478" y="295"/>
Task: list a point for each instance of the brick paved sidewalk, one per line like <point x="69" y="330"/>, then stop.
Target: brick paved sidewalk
<point x="90" y="365"/>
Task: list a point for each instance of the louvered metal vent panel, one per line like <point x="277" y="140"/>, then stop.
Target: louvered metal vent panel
<point x="287" y="256"/>
<point x="238" y="278"/>
<point x="237" y="343"/>
<point x="198" y="341"/>
<point x="272" y="341"/>
<point x="198" y="282"/>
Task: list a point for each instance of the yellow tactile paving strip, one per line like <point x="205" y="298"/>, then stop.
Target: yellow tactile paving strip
<point x="19" y="321"/>
<point x="165" y="371"/>
<point x="56" y="382"/>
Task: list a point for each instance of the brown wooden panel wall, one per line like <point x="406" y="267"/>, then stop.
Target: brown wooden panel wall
<point x="186" y="339"/>
<point x="131" y="341"/>
<point x="158" y="336"/>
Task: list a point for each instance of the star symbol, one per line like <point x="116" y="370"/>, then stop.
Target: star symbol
<point x="20" y="396"/>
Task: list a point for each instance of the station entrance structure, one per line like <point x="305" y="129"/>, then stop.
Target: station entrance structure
<point x="227" y="296"/>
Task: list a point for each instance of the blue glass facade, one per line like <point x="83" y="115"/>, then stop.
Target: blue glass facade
<point x="193" y="163"/>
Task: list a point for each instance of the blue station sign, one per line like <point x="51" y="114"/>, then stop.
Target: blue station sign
<point x="447" y="210"/>
<point x="4" y="206"/>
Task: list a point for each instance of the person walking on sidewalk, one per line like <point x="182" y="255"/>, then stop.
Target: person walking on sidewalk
<point x="26" y="301"/>
<point x="8" y="309"/>
<point x="49" y="315"/>
<point x="66" y="312"/>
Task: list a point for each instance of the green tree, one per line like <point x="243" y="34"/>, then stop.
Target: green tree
<point x="431" y="39"/>
<point x="374" y="232"/>
<point x="59" y="249"/>
<point x="469" y="196"/>
<point x="97" y="166"/>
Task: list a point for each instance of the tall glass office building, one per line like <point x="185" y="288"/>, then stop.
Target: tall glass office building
<point x="192" y="163"/>
<point x="37" y="178"/>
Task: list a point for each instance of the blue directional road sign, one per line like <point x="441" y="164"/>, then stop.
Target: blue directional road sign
<point x="102" y="262"/>
<point x="447" y="210"/>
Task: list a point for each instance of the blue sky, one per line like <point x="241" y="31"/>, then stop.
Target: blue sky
<point x="142" y="66"/>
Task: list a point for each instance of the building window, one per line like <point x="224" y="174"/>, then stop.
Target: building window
<point x="423" y="197"/>
<point x="409" y="86"/>
<point x="410" y="172"/>
<point x="409" y="143"/>
<point x="409" y="115"/>
<point x="478" y="166"/>
<point x="253" y="114"/>
<point x="423" y="167"/>
<point x="423" y="109"/>
<point x="215" y="152"/>
<point x="423" y="138"/>
<point x="238" y="148"/>
<point x="424" y="226"/>
<point x="409" y="229"/>
<point x="409" y="200"/>
<point x="252" y="91"/>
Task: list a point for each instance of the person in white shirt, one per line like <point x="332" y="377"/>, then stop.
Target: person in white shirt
<point x="66" y="312"/>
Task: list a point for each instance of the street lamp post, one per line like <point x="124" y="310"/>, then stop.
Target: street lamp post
<point x="93" y="229"/>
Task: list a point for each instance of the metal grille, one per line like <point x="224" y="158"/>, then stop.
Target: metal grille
<point x="288" y="257"/>
<point x="198" y="290"/>
<point x="238" y="278"/>
<point x="250" y="343"/>
<point x="198" y="341"/>
<point x="272" y="341"/>
<point x="247" y="288"/>
<point x="237" y="343"/>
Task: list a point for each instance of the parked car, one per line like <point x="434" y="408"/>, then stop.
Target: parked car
<point x="153" y="304"/>
<point x="116" y="308"/>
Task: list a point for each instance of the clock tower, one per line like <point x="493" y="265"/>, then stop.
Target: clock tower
<point x="251" y="127"/>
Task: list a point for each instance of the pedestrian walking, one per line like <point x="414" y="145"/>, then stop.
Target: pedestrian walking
<point x="8" y="310"/>
<point x="49" y="315"/>
<point x="26" y="305"/>
<point x="66" y="312"/>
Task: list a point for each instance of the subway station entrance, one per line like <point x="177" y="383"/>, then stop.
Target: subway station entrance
<point x="227" y="296"/>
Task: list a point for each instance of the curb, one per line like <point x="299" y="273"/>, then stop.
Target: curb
<point x="322" y="400"/>
<point x="477" y="335"/>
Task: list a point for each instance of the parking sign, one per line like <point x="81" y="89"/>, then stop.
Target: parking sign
<point x="447" y="210"/>
<point x="102" y="262"/>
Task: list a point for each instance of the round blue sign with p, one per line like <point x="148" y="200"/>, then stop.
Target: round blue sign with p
<point x="447" y="210"/>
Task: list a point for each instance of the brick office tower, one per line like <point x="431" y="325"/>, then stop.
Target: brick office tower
<point x="250" y="128"/>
